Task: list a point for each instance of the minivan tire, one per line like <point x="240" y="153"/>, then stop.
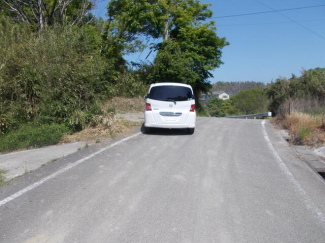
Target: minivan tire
<point x="191" y="130"/>
<point x="147" y="130"/>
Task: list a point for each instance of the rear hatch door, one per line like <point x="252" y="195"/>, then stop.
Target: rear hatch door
<point x="171" y="104"/>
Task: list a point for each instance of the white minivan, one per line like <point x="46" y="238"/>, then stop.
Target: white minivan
<point x="170" y="105"/>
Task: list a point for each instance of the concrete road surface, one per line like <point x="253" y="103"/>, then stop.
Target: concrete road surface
<point x="232" y="181"/>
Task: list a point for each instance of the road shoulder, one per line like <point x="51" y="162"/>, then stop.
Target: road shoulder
<point x="22" y="163"/>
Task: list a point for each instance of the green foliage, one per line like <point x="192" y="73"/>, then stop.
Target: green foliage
<point x="310" y="85"/>
<point x="58" y="64"/>
<point x="221" y="108"/>
<point x="190" y="49"/>
<point x="130" y="18"/>
<point x="32" y="135"/>
<point x="189" y="57"/>
<point x="277" y="92"/>
<point x="234" y="88"/>
<point x="171" y="64"/>
<point x="2" y="178"/>
<point x="50" y="77"/>
<point x="304" y="133"/>
<point x="49" y="12"/>
<point x="202" y="112"/>
<point x="250" y="101"/>
<point x="245" y="102"/>
<point x="130" y="85"/>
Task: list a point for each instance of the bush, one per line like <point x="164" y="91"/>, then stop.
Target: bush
<point x="49" y="76"/>
<point x="202" y="112"/>
<point x="304" y="128"/>
<point x="308" y="105"/>
<point x="32" y="135"/>
<point x="250" y="101"/>
<point x="305" y="132"/>
<point x="304" y="92"/>
<point x="221" y="108"/>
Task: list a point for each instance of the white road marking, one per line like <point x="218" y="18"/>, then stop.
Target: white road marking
<point x="302" y="193"/>
<point x="61" y="171"/>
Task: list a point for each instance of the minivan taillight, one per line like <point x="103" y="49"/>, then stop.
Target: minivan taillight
<point x="148" y="107"/>
<point x="192" y="108"/>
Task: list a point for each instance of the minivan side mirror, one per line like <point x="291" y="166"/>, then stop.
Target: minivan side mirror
<point x="145" y="97"/>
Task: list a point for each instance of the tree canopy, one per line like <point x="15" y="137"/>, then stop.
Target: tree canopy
<point x="309" y="86"/>
<point x="188" y="47"/>
<point x="251" y="101"/>
<point x="47" y="12"/>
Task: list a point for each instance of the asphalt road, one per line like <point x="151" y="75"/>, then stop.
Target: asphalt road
<point x="232" y="181"/>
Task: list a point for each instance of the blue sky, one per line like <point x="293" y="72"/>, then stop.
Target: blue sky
<point x="264" y="47"/>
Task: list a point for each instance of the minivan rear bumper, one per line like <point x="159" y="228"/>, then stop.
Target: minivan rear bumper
<point x="150" y="121"/>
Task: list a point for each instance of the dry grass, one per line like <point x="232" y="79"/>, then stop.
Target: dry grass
<point x="100" y="132"/>
<point x="304" y="128"/>
<point x="309" y="105"/>
<point x="107" y="125"/>
<point x="125" y="105"/>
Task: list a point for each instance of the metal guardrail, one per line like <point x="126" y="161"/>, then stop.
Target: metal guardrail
<point x="254" y="116"/>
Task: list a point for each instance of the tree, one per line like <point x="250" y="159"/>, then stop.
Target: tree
<point x="190" y="56"/>
<point x="234" y="88"/>
<point x="220" y="108"/>
<point x="250" y="101"/>
<point x="277" y="92"/>
<point x="47" y="12"/>
<point x="308" y="88"/>
<point x="190" y="48"/>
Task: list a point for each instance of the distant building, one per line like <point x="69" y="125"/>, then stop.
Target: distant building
<point x="220" y="94"/>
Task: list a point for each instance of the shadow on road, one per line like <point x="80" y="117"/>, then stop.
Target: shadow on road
<point x="166" y="132"/>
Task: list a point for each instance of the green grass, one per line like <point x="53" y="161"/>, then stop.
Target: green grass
<point x="112" y="134"/>
<point x="32" y="136"/>
<point x="129" y="124"/>
<point x="203" y="112"/>
<point x="2" y="178"/>
<point x="304" y="132"/>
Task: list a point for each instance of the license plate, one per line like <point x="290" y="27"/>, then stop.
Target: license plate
<point x="170" y="118"/>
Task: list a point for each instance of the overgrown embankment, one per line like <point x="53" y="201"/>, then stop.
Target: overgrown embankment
<point x="248" y="101"/>
<point x="304" y="128"/>
<point x="108" y="124"/>
<point x="55" y="83"/>
<point x="299" y="103"/>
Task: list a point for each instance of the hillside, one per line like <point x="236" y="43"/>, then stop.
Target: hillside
<point x="234" y="88"/>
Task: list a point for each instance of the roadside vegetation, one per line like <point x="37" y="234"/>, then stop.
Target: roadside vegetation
<point x="2" y="178"/>
<point x="248" y="101"/>
<point x="32" y="135"/>
<point x="62" y="70"/>
<point x="233" y="88"/>
<point x="299" y="105"/>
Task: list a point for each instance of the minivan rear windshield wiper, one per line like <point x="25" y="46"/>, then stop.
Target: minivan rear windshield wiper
<point x="170" y="99"/>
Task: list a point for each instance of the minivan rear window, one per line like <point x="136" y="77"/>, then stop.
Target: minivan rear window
<point x="171" y="93"/>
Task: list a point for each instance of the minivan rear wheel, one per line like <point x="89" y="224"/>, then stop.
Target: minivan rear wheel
<point x="147" y="130"/>
<point x="191" y="130"/>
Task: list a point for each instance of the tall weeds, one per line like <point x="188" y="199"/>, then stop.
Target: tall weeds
<point x="310" y="105"/>
<point x="304" y="128"/>
<point x="299" y="103"/>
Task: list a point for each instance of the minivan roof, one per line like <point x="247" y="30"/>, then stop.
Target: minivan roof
<point x="170" y="84"/>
